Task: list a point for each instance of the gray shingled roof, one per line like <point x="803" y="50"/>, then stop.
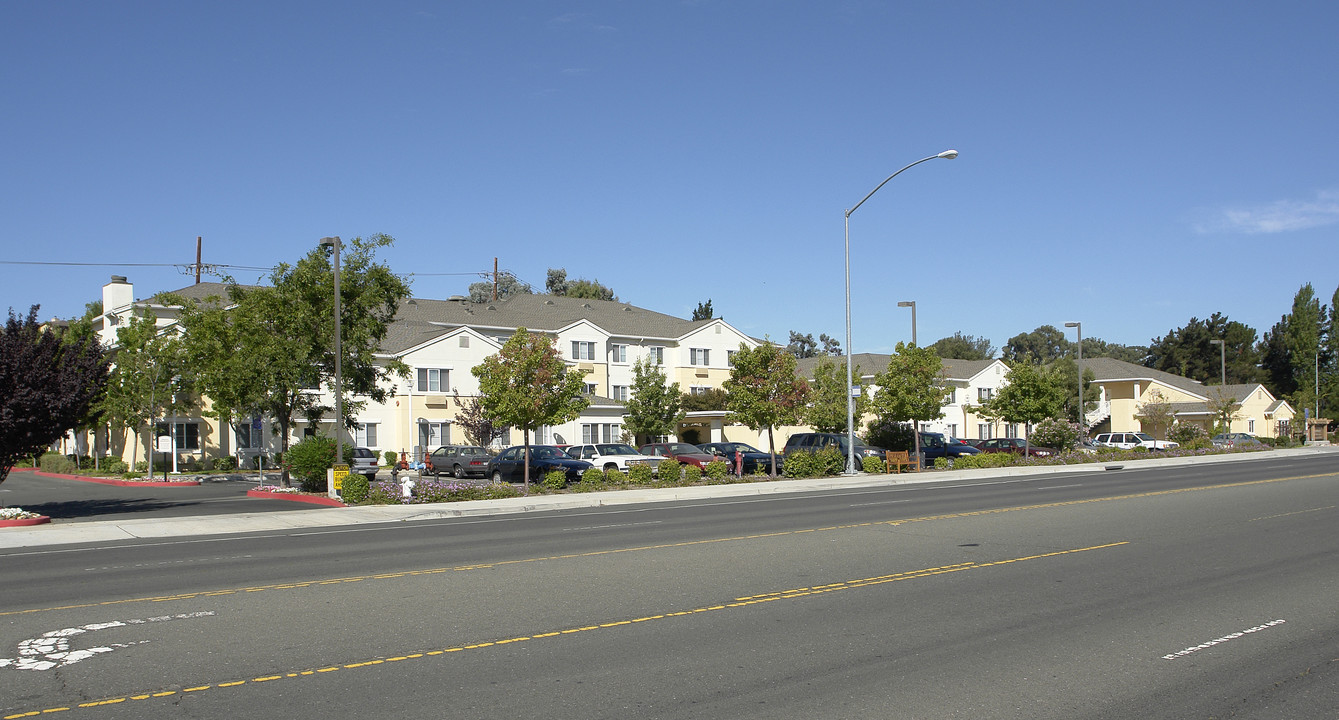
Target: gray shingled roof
<point x="872" y="363"/>
<point x="1111" y="369"/>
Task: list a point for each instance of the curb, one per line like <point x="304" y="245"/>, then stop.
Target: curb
<point x="295" y="497"/>
<point x="111" y="481"/>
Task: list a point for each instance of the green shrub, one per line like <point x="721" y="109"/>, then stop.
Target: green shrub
<point x="890" y="436"/>
<point x="692" y="474"/>
<point x="591" y="479"/>
<point x="1202" y="443"/>
<point x="308" y="460"/>
<point x="828" y="462"/>
<point x="382" y="493"/>
<point x="57" y="463"/>
<point x="945" y="464"/>
<point x="669" y="472"/>
<point x="356" y="488"/>
<point x="984" y="460"/>
<point x="641" y="475"/>
<point x="614" y="476"/>
<point x="391" y="457"/>
<point x="1054" y="433"/>
<point x="717" y="470"/>
<point x="873" y="465"/>
<point x="1186" y="433"/>
<point x="224" y="464"/>
<point x="554" y="480"/>
<point x="114" y="466"/>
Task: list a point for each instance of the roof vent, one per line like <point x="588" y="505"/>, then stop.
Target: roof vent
<point x="492" y="307"/>
<point x="457" y="298"/>
<point x="627" y="309"/>
<point x="118" y="278"/>
<point x="585" y="305"/>
<point x="548" y="302"/>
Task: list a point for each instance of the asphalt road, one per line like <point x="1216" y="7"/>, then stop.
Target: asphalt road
<point x="1173" y="593"/>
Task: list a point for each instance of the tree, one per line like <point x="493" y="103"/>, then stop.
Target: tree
<point x="703" y="311"/>
<point x="506" y="286"/>
<point x="1065" y="373"/>
<point x="1041" y="346"/>
<point x="1224" y="407"/>
<point x="478" y="427"/>
<point x="964" y="347"/>
<point x="802" y="346"/>
<point x="527" y="385"/>
<point x="831" y="346"/>
<point x="827" y="397"/>
<point x="1156" y="414"/>
<point x="704" y="399"/>
<point x="1029" y="396"/>
<point x="47" y="386"/>
<point x="1188" y="352"/>
<point x="911" y="389"/>
<point x="265" y="349"/>
<point x="1303" y="340"/>
<point x="148" y="374"/>
<point x="558" y="284"/>
<point x="765" y="391"/>
<point x="654" y="405"/>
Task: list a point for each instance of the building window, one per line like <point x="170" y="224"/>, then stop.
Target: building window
<point x="983" y="430"/>
<point x="985" y="393"/>
<point x="365" y="435"/>
<point x="248" y="436"/>
<point x="621" y="393"/>
<point x="432" y="435"/>
<point x="583" y="350"/>
<point x="1250" y="425"/>
<point x="730" y="357"/>
<point x="618" y="353"/>
<point x="590" y="389"/>
<point x="187" y="434"/>
<point x="600" y="432"/>
<point x="699" y="356"/>
<point x="1011" y="430"/>
<point x="434" y="380"/>
<point x="698" y="389"/>
<point x="951" y="430"/>
<point x="657" y="355"/>
<point x="464" y="341"/>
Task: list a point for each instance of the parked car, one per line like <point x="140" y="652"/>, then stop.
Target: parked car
<point x="509" y="465"/>
<point x="1235" y="440"/>
<point x="680" y="452"/>
<point x="752" y="459"/>
<point x="365" y="463"/>
<point x="937" y="445"/>
<point x="973" y="442"/>
<point x="1131" y="440"/>
<point x="460" y="461"/>
<point x="1018" y="446"/>
<point x="617" y="456"/>
<point x="813" y="442"/>
<point x="1085" y="445"/>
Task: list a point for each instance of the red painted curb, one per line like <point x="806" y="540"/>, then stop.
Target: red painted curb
<point x="22" y="522"/>
<point x="295" y="497"/>
<point x="113" y="481"/>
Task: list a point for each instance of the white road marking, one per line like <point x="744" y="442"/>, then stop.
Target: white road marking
<point x="1221" y="640"/>
<point x="52" y="649"/>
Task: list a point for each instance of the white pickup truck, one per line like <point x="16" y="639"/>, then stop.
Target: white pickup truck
<point x="608" y="456"/>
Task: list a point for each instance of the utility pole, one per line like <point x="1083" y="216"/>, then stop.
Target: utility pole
<point x="198" y="240"/>
<point x="494" y="279"/>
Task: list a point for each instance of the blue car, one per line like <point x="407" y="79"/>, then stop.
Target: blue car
<point x="509" y="465"/>
<point x="937" y="445"/>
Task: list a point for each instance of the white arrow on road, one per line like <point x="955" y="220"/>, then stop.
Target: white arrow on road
<point x="52" y="649"/>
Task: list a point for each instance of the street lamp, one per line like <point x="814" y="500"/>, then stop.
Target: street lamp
<point x="334" y="243"/>
<point x="1222" y="360"/>
<point x="850" y="384"/>
<point x="911" y="304"/>
<point x="1082" y="415"/>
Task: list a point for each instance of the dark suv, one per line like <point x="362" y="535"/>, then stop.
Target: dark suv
<point x="813" y="442"/>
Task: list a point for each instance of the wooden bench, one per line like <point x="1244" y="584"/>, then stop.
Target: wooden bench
<point x="899" y="459"/>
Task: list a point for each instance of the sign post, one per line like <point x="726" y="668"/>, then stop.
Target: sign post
<point x="163" y="445"/>
<point x="336" y="479"/>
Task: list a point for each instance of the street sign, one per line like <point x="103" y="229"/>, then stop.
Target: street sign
<point x="341" y="472"/>
<point x="163" y="444"/>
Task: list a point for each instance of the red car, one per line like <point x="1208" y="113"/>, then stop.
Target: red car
<point x="682" y="453"/>
<point x="1017" y="446"/>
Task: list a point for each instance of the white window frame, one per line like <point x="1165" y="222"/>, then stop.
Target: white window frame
<point x="657" y="354"/>
<point x="703" y="353"/>
<point x="583" y="350"/>
<point x="619" y="393"/>
<point x="618" y="353"/>
<point x="425" y="377"/>
<point x="183" y="431"/>
<point x="985" y="393"/>
<point x="365" y="435"/>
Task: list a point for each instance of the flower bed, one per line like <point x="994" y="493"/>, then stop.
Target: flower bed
<point x="18" y="517"/>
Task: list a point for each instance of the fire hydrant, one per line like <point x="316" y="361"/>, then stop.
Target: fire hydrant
<point x="407" y="488"/>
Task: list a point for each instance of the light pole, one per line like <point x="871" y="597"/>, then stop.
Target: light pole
<point x="1082" y="415"/>
<point x="911" y="304"/>
<point x="1222" y="361"/>
<point x="334" y="243"/>
<point x="850" y="383"/>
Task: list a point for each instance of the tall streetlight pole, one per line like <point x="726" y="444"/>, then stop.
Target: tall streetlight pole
<point x="1083" y="417"/>
<point x="334" y="243"/>
<point x="1222" y="361"/>
<point x="911" y="304"/>
<point x="850" y="383"/>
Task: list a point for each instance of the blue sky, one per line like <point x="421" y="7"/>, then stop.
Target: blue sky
<point x="1126" y="165"/>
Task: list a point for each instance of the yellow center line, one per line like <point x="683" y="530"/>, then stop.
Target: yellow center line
<point x="746" y="601"/>
<point x="663" y="546"/>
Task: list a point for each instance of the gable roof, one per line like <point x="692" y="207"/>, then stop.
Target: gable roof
<point x="1113" y="370"/>
<point x="872" y="363"/>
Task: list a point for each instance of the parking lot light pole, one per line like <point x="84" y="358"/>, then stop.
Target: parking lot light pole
<point x="334" y="243"/>
<point x="850" y="383"/>
<point x="911" y="304"/>
<point x="1083" y="417"/>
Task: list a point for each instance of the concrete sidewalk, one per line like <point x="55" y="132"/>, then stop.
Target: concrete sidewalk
<point x="121" y="530"/>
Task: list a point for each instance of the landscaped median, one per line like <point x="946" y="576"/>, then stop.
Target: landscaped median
<point x="275" y="492"/>
<point x="18" y="517"/>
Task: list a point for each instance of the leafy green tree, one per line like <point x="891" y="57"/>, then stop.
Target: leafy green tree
<point x="827" y="397"/>
<point x="1188" y="352"/>
<point x="507" y="285"/>
<point x="478" y="427"/>
<point x="47" y="386"/>
<point x="654" y="405"/>
<point x="765" y="391"/>
<point x="1225" y="408"/>
<point x="1065" y="372"/>
<point x="1056" y="433"/>
<point x="802" y="346"/>
<point x="1303" y="338"/>
<point x="1029" y="396"/>
<point x="1156" y="414"/>
<point x="703" y="311"/>
<point x="527" y="385"/>
<point x="708" y="399"/>
<point x="964" y="347"/>
<point x="911" y="389"/>
<point x="1041" y="346"/>
<point x="558" y="284"/>
<point x="148" y="373"/>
